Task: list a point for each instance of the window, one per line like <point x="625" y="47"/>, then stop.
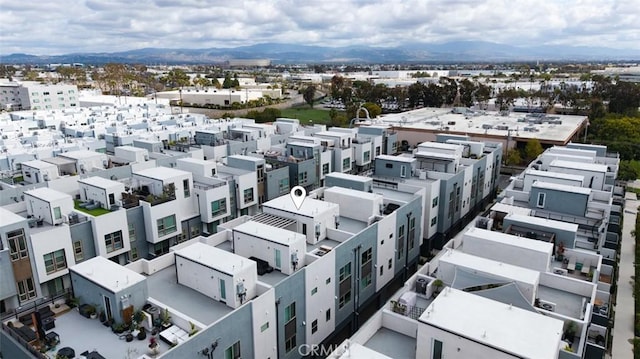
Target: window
<point x="325" y="168"/>
<point x="248" y="195"/>
<point x="345" y="271"/>
<point x="289" y="318"/>
<point x="113" y="241"/>
<point x="57" y="213"/>
<point x="264" y="327"/>
<point x="377" y="151"/>
<point x="55" y="261"/>
<point x="283" y="185"/>
<point x="400" y="243"/>
<point x="161" y="248"/>
<point x="304" y="229"/>
<point x="327" y="315"/>
<point x="17" y="244"/>
<point x="185" y="186"/>
<point x="218" y="207"/>
<point x="290" y="312"/>
<point x="388" y="165"/>
<point x="365" y="268"/>
<point x="437" y="349"/>
<point x="77" y="251"/>
<point x="346" y="164"/>
<point x="390" y="263"/>
<point x="403" y="171"/>
<point x="412" y="232"/>
<point x="314" y="326"/>
<point x="132" y="233"/>
<point x="314" y="290"/>
<point x="26" y="289"/>
<point x="367" y="156"/>
<point x="381" y="270"/>
<point x="233" y="352"/>
<point x="167" y="225"/>
<point x="302" y="177"/>
<point x="434" y="202"/>
<point x="328" y="280"/>
<point x="434" y="220"/>
<point x="345" y="287"/>
<point x="541" y="199"/>
<point x="134" y="254"/>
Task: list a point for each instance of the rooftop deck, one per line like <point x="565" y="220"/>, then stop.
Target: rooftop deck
<point x="164" y="287"/>
<point x="566" y="303"/>
<point x="392" y="344"/>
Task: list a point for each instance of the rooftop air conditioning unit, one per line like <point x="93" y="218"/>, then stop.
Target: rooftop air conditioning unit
<point x="549" y="306"/>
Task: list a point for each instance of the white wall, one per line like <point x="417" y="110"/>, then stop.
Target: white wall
<point x="466" y="191"/>
<point x="244" y="182"/>
<point x="109" y="223"/>
<point x="207" y="280"/>
<point x="385" y="250"/>
<point x="454" y="346"/>
<point x="263" y="311"/>
<point x="42" y="209"/>
<point x="354" y="204"/>
<point x="48" y="241"/>
<point x="316" y="306"/>
<point x="253" y="246"/>
<point x="205" y="197"/>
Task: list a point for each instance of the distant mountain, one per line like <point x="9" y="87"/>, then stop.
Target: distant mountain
<point x="458" y="51"/>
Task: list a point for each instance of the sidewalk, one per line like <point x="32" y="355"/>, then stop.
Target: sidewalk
<point x="625" y="307"/>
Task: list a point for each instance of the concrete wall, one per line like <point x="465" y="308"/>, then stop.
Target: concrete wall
<point x="560" y="201"/>
<point x="322" y="299"/>
<point x="285" y="296"/>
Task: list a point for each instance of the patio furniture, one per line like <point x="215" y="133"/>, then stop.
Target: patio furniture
<point x="91" y="355"/>
<point x="52" y="338"/>
<point x="586" y="267"/>
<point x="572" y="264"/>
<point x="49" y="323"/>
<point x="45" y="312"/>
<point x="174" y="335"/>
<point x="66" y="352"/>
<point x="86" y="309"/>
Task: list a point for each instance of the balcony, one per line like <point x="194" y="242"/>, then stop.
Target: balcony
<point x="130" y="200"/>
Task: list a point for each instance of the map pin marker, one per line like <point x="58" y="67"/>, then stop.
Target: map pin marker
<point x="298" y="194"/>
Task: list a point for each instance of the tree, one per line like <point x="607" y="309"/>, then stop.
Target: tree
<point x="533" y="149"/>
<point x="374" y="109"/>
<point x="176" y="78"/>
<point x="629" y="170"/>
<point x="513" y="157"/>
<point x="309" y="94"/>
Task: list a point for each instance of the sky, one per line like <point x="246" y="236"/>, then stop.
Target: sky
<point x="56" y="27"/>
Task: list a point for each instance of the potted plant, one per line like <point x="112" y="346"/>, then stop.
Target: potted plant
<point x="560" y="252"/>
<point x="93" y="312"/>
<point x="73" y="302"/>
<point x="193" y="329"/>
<point x="142" y="334"/>
<point x="139" y="316"/>
<point x="438" y="284"/>
<point x="154" y="349"/>
<point x="570" y="331"/>
<point x="166" y="318"/>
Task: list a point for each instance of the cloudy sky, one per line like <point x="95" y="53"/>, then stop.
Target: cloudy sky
<point x="65" y="26"/>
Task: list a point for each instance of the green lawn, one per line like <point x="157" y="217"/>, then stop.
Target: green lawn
<point x="307" y="115"/>
<point x="94" y="212"/>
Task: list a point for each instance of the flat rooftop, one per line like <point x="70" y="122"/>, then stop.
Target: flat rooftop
<point x="349" y="177"/>
<point x="160" y="173"/>
<point x="562" y="187"/>
<point x="491" y="267"/>
<point x="592" y="167"/>
<point x="213" y="257"/>
<point x="567" y="303"/>
<point x="8" y="218"/>
<point x="47" y="194"/>
<point x="507" y="208"/>
<point x="503" y="239"/>
<point x="390" y="344"/>
<point x="542" y="222"/>
<point x="435" y="120"/>
<point x="275" y="234"/>
<point x="107" y="274"/>
<point x="81" y="154"/>
<point x="100" y="182"/>
<point x="38" y="164"/>
<point x="508" y="328"/>
<point x="309" y="208"/>
<point x="406" y="159"/>
<point x="164" y="287"/>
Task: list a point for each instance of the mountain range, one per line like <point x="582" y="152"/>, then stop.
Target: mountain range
<point x="458" y="51"/>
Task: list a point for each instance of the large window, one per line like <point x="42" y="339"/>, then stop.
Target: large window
<point x="218" y="207"/>
<point x="290" y="312"/>
<point x="403" y="171"/>
<point x="132" y="233"/>
<point x="290" y="332"/>
<point x="167" y="225"/>
<point x="365" y="270"/>
<point x="345" y="285"/>
<point x="400" y="243"/>
<point x="77" y="251"/>
<point x="248" y="195"/>
<point x="367" y="156"/>
<point x="434" y="202"/>
<point x="233" y="352"/>
<point x="412" y="232"/>
<point x="325" y="168"/>
<point x="17" y="244"/>
<point x="314" y="326"/>
<point x="283" y="185"/>
<point x="346" y="164"/>
<point x="55" y="261"/>
<point x="113" y="241"/>
<point x="302" y="177"/>
<point x="434" y="220"/>
<point x="187" y="190"/>
<point x="26" y="289"/>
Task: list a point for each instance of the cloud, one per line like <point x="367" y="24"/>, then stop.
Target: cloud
<point x="66" y="26"/>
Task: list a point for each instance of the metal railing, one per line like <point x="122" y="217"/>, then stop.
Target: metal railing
<point x="410" y="311"/>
